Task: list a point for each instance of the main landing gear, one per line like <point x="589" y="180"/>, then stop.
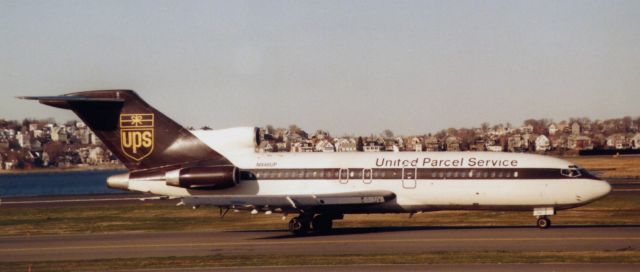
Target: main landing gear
<point x="321" y="223"/>
<point x="543" y="222"/>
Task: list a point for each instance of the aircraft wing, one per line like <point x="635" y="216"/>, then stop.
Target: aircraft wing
<point x="292" y="201"/>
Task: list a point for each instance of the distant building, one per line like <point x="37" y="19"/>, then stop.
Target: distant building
<point x="553" y="129"/>
<point x="527" y="129"/>
<point x="346" y="145"/>
<point x="432" y="143"/>
<point x="617" y="141"/>
<point x="371" y="148"/>
<point x="575" y="128"/>
<point x="543" y="143"/>
<point x="413" y="144"/>
<point x="579" y="142"/>
<point x="324" y="146"/>
<point x="452" y="143"/>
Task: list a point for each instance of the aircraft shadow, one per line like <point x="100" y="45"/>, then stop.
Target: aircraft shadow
<point x="364" y="230"/>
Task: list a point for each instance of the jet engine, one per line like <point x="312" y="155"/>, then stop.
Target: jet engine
<point x="203" y="177"/>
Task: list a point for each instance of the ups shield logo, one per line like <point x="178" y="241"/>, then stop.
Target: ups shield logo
<point x="136" y="135"/>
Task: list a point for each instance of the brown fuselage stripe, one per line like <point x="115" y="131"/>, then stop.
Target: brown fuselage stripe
<point x="407" y="173"/>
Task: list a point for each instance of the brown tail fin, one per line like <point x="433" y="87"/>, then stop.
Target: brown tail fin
<point x="138" y="134"/>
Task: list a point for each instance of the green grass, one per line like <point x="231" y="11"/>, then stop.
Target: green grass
<point x="467" y="257"/>
<point x="161" y="216"/>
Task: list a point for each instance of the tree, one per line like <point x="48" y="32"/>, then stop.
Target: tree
<point x="360" y="144"/>
<point x="387" y="133"/>
<point x="485" y="126"/>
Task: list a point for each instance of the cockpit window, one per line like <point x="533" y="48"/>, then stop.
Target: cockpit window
<point x="570" y="172"/>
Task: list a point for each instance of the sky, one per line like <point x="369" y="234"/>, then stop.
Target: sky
<point x="349" y="67"/>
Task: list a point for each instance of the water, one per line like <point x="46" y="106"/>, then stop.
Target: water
<point x="59" y="183"/>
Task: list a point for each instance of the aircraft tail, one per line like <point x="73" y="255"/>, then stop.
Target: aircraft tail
<point x="138" y="134"/>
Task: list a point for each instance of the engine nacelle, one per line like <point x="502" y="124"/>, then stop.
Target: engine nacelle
<point x="203" y="177"/>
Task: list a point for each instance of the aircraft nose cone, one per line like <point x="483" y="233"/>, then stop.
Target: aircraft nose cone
<point x="601" y="188"/>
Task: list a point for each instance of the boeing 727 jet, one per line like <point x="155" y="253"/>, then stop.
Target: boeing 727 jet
<point x="221" y="168"/>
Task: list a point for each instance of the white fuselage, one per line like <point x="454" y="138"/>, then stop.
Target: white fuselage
<point x="422" y="181"/>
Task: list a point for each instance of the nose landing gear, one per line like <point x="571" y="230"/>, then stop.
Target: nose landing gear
<point x="543" y="214"/>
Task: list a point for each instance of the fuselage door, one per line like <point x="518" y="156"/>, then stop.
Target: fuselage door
<point x="366" y="175"/>
<point x="344" y="175"/>
<point x="409" y="178"/>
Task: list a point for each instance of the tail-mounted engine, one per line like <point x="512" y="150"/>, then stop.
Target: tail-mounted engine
<point x="211" y="177"/>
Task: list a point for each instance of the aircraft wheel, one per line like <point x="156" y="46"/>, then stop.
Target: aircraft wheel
<point x="322" y="223"/>
<point x="543" y="222"/>
<point x="298" y="226"/>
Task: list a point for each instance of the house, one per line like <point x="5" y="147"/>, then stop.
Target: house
<point x="265" y="147"/>
<point x="559" y="143"/>
<point x="303" y="146"/>
<point x="617" y="141"/>
<point x="478" y="145"/>
<point x="527" y="129"/>
<point x="579" y="142"/>
<point x="371" y="148"/>
<point x="635" y="141"/>
<point x="413" y="144"/>
<point x="452" y="143"/>
<point x="516" y="143"/>
<point x="543" y="143"/>
<point x="281" y="147"/>
<point x="553" y="129"/>
<point x="324" y="146"/>
<point x="432" y="143"/>
<point x="96" y="156"/>
<point x="575" y="128"/>
<point x="529" y="140"/>
<point x="345" y="145"/>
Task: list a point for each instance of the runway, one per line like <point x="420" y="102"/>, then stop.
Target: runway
<point x="343" y="241"/>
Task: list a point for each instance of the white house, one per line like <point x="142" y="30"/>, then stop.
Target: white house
<point x="635" y="141"/>
<point x="553" y="129"/>
<point x="542" y="143"/>
<point x="346" y="145"/>
<point x="324" y="146"/>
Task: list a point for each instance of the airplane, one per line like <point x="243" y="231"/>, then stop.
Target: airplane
<point x="221" y="168"/>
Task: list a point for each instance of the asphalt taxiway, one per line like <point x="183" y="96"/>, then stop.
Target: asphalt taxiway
<point x="343" y="241"/>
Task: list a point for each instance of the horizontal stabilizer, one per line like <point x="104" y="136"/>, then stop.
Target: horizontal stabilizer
<point x="63" y="101"/>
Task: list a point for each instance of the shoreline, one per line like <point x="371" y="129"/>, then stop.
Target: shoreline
<point x="62" y="170"/>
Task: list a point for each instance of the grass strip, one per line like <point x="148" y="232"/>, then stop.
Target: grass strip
<point x="438" y="257"/>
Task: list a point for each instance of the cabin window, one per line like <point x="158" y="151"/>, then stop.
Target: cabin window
<point x="463" y="174"/>
<point x="500" y="174"/>
<point x="301" y="174"/>
<point x="279" y="174"/>
<point x="286" y="174"/>
<point x="448" y="174"/>
<point x="471" y="173"/>
<point x="455" y="174"/>
<point x="515" y="174"/>
<point x="434" y="174"/>
<point x="485" y="174"/>
<point x="441" y="174"/>
<point x="375" y="174"/>
<point x="258" y="174"/>
<point x="508" y="174"/>
<point x="352" y="174"/>
<point x="321" y="174"/>
<point x="493" y="174"/>
<point x="383" y="173"/>
<point x="315" y="174"/>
